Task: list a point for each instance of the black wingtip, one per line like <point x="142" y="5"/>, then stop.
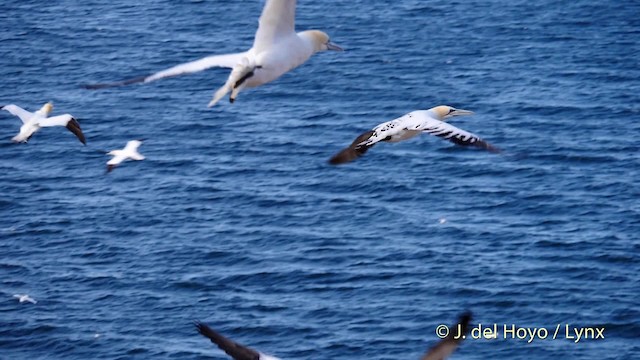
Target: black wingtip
<point x="464" y="320"/>
<point x="110" y="168"/>
<point x="199" y="325"/>
<point x="493" y="149"/>
<point x="74" y="127"/>
<point x="354" y="151"/>
<point x="94" y="86"/>
<point x="466" y="316"/>
<point x="115" y="84"/>
<point x="344" y="156"/>
<point x="235" y="350"/>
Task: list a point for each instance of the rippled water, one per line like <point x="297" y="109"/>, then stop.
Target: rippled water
<point x="236" y="219"/>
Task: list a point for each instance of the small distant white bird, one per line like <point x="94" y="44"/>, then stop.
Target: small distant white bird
<point x="233" y="349"/>
<point x="277" y="49"/>
<point x="32" y="122"/>
<point x="25" y="298"/>
<point x="130" y="151"/>
<point x="445" y="347"/>
<point x="432" y="121"/>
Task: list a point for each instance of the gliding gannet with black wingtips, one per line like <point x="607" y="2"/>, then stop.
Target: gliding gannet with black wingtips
<point x="32" y="122"/>
<point x="432" y="121"/>
<point x="130" y="151"/>
<point x="277" y="49"/>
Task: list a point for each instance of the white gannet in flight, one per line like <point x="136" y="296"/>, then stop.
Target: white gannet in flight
<point x="232" y="348"/>
<point x="432" y="121"/>
<point x="130" y="151"/>
<point x="32" y="122"/>
<point x="277" y="49"/>
<point x="450" y="343"/>
<point x="25" y="298"/>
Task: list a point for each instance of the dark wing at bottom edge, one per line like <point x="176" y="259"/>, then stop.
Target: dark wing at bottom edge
<point x="448" y="345"/>
<point x="233" y="349"/>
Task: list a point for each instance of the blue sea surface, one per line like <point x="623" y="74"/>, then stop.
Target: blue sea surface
<point x="236" y="219"/>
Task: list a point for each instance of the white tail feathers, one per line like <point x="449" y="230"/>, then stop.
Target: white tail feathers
<point x="219" y="94"/>
<point x="236" y="81"/>
<point x="137" y="156"/>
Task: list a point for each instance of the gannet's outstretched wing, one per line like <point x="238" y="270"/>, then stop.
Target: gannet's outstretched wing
<point x="16" y="110"/>
<point x="132" y="145"/>
<point x="226" y="61"/>
<point x="276" y="22"/>
<point x="232" y="348"/>
<point x="354" y="151"/>
<point x="67" y="121"/>
<point x="456" y="135"/>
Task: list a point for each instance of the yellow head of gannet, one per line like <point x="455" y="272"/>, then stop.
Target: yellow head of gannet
<point x="443" y="112"/>
<point x="320" y="41"/>
<point x="46" y="109"/>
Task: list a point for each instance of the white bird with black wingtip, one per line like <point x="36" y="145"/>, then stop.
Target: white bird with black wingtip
<point x="432" y="121"/>
<point x="130" y="151"/>
<point x="32" y="122"/>
<point x="276" y="50"/>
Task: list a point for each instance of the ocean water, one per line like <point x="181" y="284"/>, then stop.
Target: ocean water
<point x="237" y="220"/>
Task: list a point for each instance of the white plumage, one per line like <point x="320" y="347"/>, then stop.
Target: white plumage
<point x="32" y="122"/>
<point x="276" y="49"/>
<point x="130" y="151"/>
<point x="25" y="298"/>
<point x="432" y="121"/>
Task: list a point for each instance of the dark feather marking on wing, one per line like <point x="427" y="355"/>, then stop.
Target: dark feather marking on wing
<point x="354" y="151"/>
<point x="462" y="140"/>
<point x="246" y="76"/>
<point x="233" y="349"/>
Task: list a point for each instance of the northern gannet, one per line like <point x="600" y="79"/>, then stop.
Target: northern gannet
<point x="277" y="49"/>
<point x="32" y="122"/>
<point x="452" y="340"/>
<point x="233" y="349"/>
<point x="130" y="151"/>
<point x="432" y="121"/>
<point x="25" y="298"/>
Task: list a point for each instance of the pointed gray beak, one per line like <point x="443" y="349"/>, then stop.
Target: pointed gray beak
<point x="333" y="47"/>
<point x="460" y="112"/>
